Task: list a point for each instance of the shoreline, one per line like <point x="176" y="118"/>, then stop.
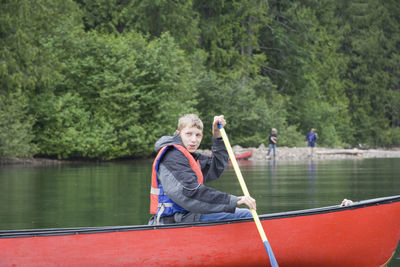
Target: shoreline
<point x="259" y="155"/>
<point x="323" y="153"/>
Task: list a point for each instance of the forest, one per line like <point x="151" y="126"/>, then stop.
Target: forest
<point x="84" y="79"/>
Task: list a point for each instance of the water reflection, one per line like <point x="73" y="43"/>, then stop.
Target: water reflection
<point x="69" y="196"/>
<point x="272" y="168"/>
<point x="118" y="193"/>
<point x="312" y="181"/>
<point x="312" y="169"/>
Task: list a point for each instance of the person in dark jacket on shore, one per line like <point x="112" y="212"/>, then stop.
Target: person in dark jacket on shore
<point x="178" y="193"/>
<point x="272" y="140"/>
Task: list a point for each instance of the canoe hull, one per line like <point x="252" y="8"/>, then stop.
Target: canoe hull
<point x="365" y="234"/>
<point x="245" y="155"/>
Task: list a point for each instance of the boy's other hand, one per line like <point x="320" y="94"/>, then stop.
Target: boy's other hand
<point x="248" y="201"/>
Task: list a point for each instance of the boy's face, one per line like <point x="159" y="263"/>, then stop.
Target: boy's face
<point x="191" y="138"/>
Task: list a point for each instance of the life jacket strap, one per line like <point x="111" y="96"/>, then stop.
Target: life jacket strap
<point x="162" y="207"/>
<point x="166" y="205"/>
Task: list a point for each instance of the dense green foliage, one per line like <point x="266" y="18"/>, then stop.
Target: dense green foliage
<point x="105" y="79"/>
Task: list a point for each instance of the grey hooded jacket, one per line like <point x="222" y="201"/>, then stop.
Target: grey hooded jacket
<point x="180" y="183"/>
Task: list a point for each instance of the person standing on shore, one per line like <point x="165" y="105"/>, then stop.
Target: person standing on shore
<point x="311" y="141"/>
<point x="273" y="139"/>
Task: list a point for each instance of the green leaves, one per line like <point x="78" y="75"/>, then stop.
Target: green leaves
<point x="16" y="123"/>
<point x="117" y="95"/>
<point x="105" y="79"/>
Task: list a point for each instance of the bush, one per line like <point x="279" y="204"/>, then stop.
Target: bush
<point x="290" y="137"/>
<point x="69" y="131"/>
<point x="16" y="126"/>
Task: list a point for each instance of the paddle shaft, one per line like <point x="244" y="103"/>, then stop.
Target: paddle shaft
<point x="246" y="193"/>
<point x="242" y="182"/>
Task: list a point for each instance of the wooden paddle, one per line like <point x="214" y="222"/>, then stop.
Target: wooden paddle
<point x="267" y="246"/>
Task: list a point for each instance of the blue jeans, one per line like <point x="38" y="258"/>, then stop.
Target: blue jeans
<point x="212" y="217"/>
<point x="273" y="147"/>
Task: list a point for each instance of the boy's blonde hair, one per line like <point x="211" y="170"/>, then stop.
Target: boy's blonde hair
<point x="190" y="120"/>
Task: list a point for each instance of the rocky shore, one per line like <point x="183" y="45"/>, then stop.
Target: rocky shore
<point x="303" y="153"/>
<point x="259" y="155"/>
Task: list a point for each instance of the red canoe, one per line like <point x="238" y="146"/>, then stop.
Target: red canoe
<point x="245" y="155"/>
<point x="363" y="234"/>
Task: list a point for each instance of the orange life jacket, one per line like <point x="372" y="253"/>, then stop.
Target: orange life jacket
<point x="157" y="197"/>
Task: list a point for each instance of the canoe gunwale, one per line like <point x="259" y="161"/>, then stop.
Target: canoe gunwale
<point x="272" y="216"/>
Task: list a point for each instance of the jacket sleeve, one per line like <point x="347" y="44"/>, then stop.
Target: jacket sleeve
<point x="180" y="183"/>
<point x="213" y="166"/>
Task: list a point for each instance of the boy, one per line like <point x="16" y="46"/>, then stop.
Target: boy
<point x="177" y="190"/>
<point x="273" y="139"/>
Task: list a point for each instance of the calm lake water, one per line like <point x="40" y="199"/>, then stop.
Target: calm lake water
<point x="118" y="193"/>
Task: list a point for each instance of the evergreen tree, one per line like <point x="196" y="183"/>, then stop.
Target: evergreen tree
<point x="230" y="34"/>
<point x="309" y="68"/>
<point x="371" y="44"/>
<point x="152" y="18"/>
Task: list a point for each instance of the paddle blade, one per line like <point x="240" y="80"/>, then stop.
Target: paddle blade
<point x="271" y="255"/>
